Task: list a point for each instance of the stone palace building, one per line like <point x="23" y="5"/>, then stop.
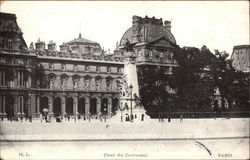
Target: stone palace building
<point x="80" y="79"/>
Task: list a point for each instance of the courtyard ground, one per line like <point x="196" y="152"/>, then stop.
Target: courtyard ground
<point x="194" y="138"/>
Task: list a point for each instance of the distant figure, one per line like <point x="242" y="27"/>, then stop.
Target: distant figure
<point x="68" y="118"/>
<point x="162" y="118"/>
<point x="169" y="120"/>
<point x="181" y="118"/>
<point x="41" y="117"/>
<point x="142" y="117"/>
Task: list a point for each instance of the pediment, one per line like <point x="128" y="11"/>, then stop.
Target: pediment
<point x="161" y="42"/>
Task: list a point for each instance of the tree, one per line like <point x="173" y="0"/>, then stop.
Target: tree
<point x="233" y="85"/>
<point x="152" y="86"/>
<point x="196" y="78"/>
<point x="192" y="79"/>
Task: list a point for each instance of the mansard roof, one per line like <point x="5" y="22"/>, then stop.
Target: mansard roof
<point x="81" y="40"/>
<point x="148" y="30"/>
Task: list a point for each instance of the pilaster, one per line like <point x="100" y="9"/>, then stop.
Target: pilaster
<point x="109" y="105"/>
<point x="87" y="105"/>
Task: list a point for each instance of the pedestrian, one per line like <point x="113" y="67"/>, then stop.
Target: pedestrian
<point x="41" y="117"/>
<point x="169" y="120"/>
<point x="181" y="118"/>
<point x="46" y="117"/>
<point x="68" y="118"/>
<point x="162" y="118"/>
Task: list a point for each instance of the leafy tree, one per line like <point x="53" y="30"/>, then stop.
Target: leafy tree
<point x="152" y="86"/>
<point x="192" y="79"/>
<point x="233" y="85"/>
<point x="198" y="74"/>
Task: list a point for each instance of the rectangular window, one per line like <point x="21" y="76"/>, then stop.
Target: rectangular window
<point x="108" y="69"/>
<point x="9" y="46"/>
<point x="75" y="67"/>
<point x="86" y="68"/>
<point x="51" y="66"/>
<point x="97" y="68"/>
<point x="63" y="66"/>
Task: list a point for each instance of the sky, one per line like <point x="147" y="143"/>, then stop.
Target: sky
<point x="216" y="24"/>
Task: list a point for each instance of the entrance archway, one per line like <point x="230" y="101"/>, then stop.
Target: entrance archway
<point x="115" y="103"/>
<point x="81" y="106"/>
<point x="57" y="106"/>
<point x="93" y="109"/>
<point x="104" y="106"/>
<point x="9" y="106"/>
<point x="69" y="106"/>
<point x="44" y="103"/>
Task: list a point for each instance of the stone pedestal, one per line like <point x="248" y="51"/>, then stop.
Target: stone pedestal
<point x="131" y="79"/>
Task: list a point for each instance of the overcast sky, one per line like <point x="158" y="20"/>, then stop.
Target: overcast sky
<point x="218" y="25"/>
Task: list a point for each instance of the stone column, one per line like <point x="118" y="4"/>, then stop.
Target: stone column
<point x="1" y="106"/>
<point x="38" y="104"/>
<point x="22" y="104"/>
<point x="4" y="111"/>
<point x="18" y="78"/>
<point x="16" y="107"/>
<point x="109" y="105"/>
<point x="21" y="78"/>
<point x="98" y="105"/>
<point x="51" y="98"/>
<point x="75" y="105"/>
<point x="29" y="81"/>
<point x="87" y="105"/>
<point x="4" y="78"/>
<point x="1" y="77"/>
<point x="63" y="106"/>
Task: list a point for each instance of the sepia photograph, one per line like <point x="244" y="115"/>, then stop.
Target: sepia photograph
<point x="124" y="80"/>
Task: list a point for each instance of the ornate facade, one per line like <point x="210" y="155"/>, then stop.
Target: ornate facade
<point x="80" y="79"/>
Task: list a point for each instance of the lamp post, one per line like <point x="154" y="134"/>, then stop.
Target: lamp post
<point x="121" y="111"/>
<point x="130" y="91"/>
<point x="105" y="109"/>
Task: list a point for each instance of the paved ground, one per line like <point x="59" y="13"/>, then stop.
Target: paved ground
<point x="194" y="138"/>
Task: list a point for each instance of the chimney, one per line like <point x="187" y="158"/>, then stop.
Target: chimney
<point x="52" y="46"/>
<point x="40" y="45"/>
<point x="167" y="24"/>
<point x="136" y="29"/>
